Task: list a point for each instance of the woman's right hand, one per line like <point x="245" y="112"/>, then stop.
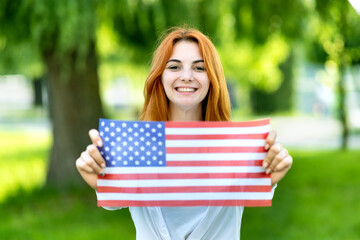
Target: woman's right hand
<point x="91" y="163"/>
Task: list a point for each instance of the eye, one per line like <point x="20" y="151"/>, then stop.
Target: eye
<point x="173" y="67"/>
<point x="200" y="68"/>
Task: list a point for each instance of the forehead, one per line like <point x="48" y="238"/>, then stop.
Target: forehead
<point x="186" y="50"/>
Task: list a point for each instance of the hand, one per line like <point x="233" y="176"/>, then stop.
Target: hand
<point x="90" y="163"/>
<point x="278" y="160"/>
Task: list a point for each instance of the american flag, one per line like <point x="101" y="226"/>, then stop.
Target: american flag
<point x="184" y="164"/>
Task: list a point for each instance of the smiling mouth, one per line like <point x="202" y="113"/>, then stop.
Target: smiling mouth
<point x="182" y="89"/>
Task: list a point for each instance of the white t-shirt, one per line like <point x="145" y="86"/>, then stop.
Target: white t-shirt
<point x="186" y="223"/>
<point x="191" y="223"/>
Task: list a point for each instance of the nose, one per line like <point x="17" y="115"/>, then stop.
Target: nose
<point x="186" y="75"/>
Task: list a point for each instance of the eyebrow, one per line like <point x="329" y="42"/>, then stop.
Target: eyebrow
<point x="178" y="61"/>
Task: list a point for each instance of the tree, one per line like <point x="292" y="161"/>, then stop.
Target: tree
<point x="335" y="35"/>
<point x="63" y="34"/>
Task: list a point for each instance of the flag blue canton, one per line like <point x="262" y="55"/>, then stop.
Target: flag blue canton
<point x="132" y="144"/>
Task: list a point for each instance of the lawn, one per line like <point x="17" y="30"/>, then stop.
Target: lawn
<point x="318" y="199"/>
<point x="29" y="211"/>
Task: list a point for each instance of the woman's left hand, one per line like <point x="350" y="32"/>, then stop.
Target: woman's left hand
<point x="278" y="160"/>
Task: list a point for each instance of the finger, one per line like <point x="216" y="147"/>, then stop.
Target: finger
<point x="81" y="165"/>
<point x="278" y="158"/>
<point x="93" y="151"/>
<point x="285" y="164"/>
<point x="95" y="137"/>
<point x="274" y="150"/>
<point x="270" y="139"/>
<point x="92" y="163"/>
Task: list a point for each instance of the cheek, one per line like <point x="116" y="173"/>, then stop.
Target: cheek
<point x="166" y="79"/>
<point x="206" y="83"/>
<point x="166" y="85"/>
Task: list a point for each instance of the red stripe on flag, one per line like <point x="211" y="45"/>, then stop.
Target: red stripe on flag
<point x="200" y="124"/>
<point x="215" y="150"/>
<point x="192" y="203"/>
<point x="216" y="136"/>
<point x="188" y="189"/>
<point x="144" y="176"/>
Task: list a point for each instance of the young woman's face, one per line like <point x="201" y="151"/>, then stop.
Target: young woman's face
<point x="185" y="79"/>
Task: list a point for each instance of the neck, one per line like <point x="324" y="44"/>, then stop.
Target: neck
<point x="182" y="115"/>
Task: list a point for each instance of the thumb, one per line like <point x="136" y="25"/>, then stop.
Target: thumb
<point x="270" y="139"/>
<point x="95" y="137"/>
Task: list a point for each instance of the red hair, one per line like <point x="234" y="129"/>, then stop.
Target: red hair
<point x="216" y="105"/>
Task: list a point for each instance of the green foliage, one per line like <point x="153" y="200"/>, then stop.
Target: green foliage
<point x="333" y="30"/>
<point x="254" y="38"/>
<point x="24" y="58"/>
<point x="139" y="24"/>
<point x="259" y="20"/>
<point x="255" y="65"/>
<point x="264" y="28"/>
<point x="265" y="102"/>
<point x="70" y="23"/>
<point x="261" y="39"/>
<point x="259" y="33"/>
<point x="43" y="27"/>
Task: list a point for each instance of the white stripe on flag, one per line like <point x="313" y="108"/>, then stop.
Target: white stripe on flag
<point x="214" y="156"/>
<point x="186" y="196"/>
<point x="216" y="143"/>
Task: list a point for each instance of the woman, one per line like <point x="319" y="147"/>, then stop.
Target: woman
<point x="186" y="83"/>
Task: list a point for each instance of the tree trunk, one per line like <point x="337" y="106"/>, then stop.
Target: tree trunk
<point x="75" y="107"/>
<point x="341" y="83"/>
<point x="343" y="108"/>
<point x="38" y="91"/>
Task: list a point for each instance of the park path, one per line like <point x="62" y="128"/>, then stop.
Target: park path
<point x="311" y="133"/>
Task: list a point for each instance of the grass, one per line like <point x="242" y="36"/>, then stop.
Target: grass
<point x="30" y="211"/>
<point x="22" y="161"/>
<point x="318" y="199"/>
<point x="59" y="216"/>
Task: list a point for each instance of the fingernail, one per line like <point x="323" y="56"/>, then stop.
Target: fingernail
<point x="265" y="164"/>
<point x="102" y="173"/>
<point x="268" y="171"/>
<point x="103" y="165"/>
<point x="99" y="143"/>
<point x="267" y="146"/>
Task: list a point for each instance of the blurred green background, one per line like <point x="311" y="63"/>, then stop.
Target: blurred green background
<point x="64" y="64"/>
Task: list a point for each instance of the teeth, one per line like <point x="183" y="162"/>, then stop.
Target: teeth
<point x="185" y="89"/>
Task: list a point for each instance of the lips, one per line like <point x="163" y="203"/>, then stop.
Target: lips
<point x="185" y="89"/>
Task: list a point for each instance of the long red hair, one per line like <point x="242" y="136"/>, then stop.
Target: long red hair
<point x="216" y="105"/>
